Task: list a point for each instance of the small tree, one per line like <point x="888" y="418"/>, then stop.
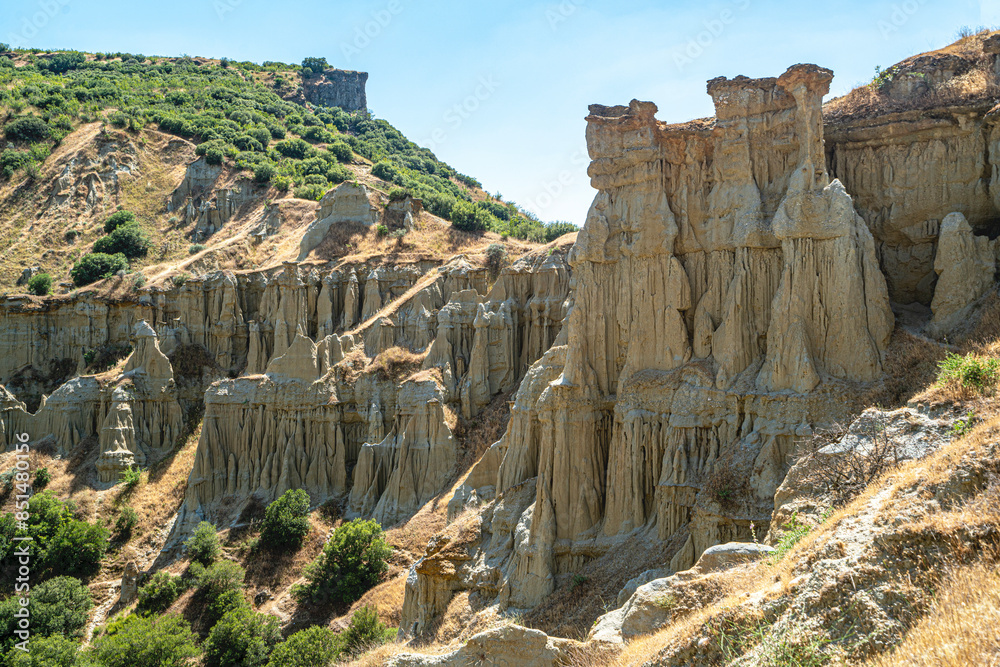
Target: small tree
<point x="220" y="578"/>
<point x="40" y="284"/>
<point x="119" y="219"/>
<point x="156" y="596"/>
<point x="313" y="65"/>
<point x="60" y="606"/>
<point x="27" y="128"/>
<point x="145" y="641"/>
<point x="316" y="645"/>
<point x="242" y="638"/>
<point x="352" y="561"/>
<point x="286" y="521"/>
<point x="54" y="651"/>
<point x="125" y="524"/>
<point x="77" y="549"/>
<point x="95" y="266"/>
<point x="129" y="240"/>
<point x="366" y="631"/>
<point x="203" y="545"/>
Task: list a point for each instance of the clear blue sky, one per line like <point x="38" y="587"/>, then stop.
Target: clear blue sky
<point x="500" y="91"/>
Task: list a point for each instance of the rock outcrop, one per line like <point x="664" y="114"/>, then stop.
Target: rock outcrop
<point x="337" y="88"/>
<point x="346" y="204"/>
<point x="966" y="266"/>
<point x="725" y="297"/>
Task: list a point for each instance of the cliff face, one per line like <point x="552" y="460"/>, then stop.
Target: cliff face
<point x="726" y="298"/>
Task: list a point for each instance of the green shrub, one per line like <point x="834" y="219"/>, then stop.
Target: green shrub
<point x="313" y="65"/>
<point x="42" y="479"/>
<point x="398" y="194"/>
<point x="60" y="63"/>
<point x="215" y="155"/>
<point x="54" y="651"/>
<point x="40" y="284"/>
<point x="338" y="173"/>
<point x="381" y="230"/>
<point x="282" y="183"/>
<point x="226" y="602"/>
<point x="386" y="171"/>
<point x="27" y="128"/>
<point x="119" y="219"/>
<point x="366" y="631"/>
<point x="145" y="641"/>
<point x="11" y="161"/>
<point x="126" y="522"/>
<point x="312" y="647"/>
<point x="203" y="545"/>
<point x="297" y="149"/>
<point x="341" y="150"/>
<point x="77" y="549"/>
<point x="242" y="638"/>
<point x="131" y="477"/>
<point x="286" y="521"/>
<point x="313" y="192"/>
<point x="59" y="606"/>
<point x="264" y="172"/>
<point x="971" y="373"/>
<point x="180" y="279"/>
<point x="156" y="596"/>
<point x="95" y="266"/>
<point x="220" y="578"/>
<point x="195" y="248"/>
<point x="353" y="560"/>
<point x="129" y="240"/>
<point x="469" y="217"/>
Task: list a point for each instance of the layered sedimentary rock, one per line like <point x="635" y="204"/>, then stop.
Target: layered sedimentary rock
<point x="348" y="203"/>
<point x="725" y="296"/>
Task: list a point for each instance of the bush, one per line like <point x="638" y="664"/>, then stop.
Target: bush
<point x="313" y="192"/>
<point x="144" y="641"/>
<point x="42" y="479"/>
<point x="386" y="171"/>
<point x="129" y="240"/>
<point x="297" y="149"/>
<point x="282" y="183"/>
<point x="366" y="631"/>
<point x="156" y="596"/>
<point x="54" y="651"/>
<point x="398" y="194"/>
<point x="131" y="477"/>
<point x="353" y="560"/>
<point x="40" y="284"/>
<point x="203" y="545"/>
<point x="286" y="521"/>
<point x="215" y="155"/>
<point x="312" y="647"/>
<point x="470" y="218"/>
<point x="338" y="173"/>
<point x="11" y="161"/>
<point x="970" y="374"/>
<point x="313" y="65"/>
<point x="556" y="229"/>
<point x="381" y="230"/>
<point x="220" y="578"/>
<point x="264" y="172"/>
<point x="119" y="219"/>
<point x="125" y="524"/>
<point x="341" y="150"/>
<point x="59" y="606"/>
<point x="195" y="248"/>
<point x="28" y="128"/>
<point x="242" y="638"/>
<point x="226" y="602"/>
<point x="95" y="266"/>
<point x="77" y="549"/>
<point x="62" y="62"/>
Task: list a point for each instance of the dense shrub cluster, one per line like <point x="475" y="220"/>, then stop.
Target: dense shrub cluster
<point x="203" y="545"/>
<point x="353" y="560"/>
<point x="286" y="521"/>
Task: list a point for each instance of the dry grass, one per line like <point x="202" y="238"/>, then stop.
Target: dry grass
<point x="977" y="84"/>
<point x="911" y="366"/>
<point x="396" y="363"/>
<point x="387" y="598"/>
<point x="962" y="628"/>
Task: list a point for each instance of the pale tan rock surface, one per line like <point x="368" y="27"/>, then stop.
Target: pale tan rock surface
<point x="725" y="294"/>
<point x="506" y="645"/>
<point x="966" y="266"/>
<point x="348" y="203"/>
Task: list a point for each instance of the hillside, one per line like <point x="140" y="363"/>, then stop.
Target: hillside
<point x="335" y="404"/>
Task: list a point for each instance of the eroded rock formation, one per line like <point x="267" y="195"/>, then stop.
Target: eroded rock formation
<point x="725" y="297"/>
